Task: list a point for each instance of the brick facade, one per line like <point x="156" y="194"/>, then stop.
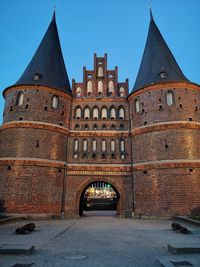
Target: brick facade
<point x="155" y="163"/>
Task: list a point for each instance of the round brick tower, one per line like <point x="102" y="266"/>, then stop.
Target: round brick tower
<point x="165" y="130"/>
<point x="34" y="134"/>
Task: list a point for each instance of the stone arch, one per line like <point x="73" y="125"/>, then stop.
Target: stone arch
<point x="82" y="188"/>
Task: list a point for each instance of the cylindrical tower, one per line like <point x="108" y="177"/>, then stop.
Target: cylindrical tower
<point x="165" y="130"/>
<point x="34" y="133"/>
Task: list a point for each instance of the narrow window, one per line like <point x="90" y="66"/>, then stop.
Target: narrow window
<point x="169" y="98"/>
<point x="78" y="113"/>
<point x="85" y="145"/>
<point x="100" y="71"/>
<point x="20" y="99"/>
<point x="89" y="87"/>
<point x="121" y="113"/>
<point x="110" y="87"/>
<point x="95" y="113"/>
<point x="78" y="91"/>
<point x="55" y="101"/>
<point x="137" y="106"/>
<point x="100" y="87"/>
<point x="121" y="91"/>
<point x="113" y="113"/>
<point x="104" y="113"/>
<point x="112" y="146"/>
<point x="103" y="145"/>
<point x="86" y="113"/>
<point x="94" y="145"/>
<point x="76" y="145"/>
<point x="122" y="146"/>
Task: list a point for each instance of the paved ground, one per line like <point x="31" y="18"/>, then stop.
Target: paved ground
<point x="96" y="241"/>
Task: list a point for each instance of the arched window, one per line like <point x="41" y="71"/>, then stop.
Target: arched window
<point x="78" y="113"/>
<point x="85" y="145"/>
<point x="121" y="113"/>
<point x="104" y="113"/>
<point x="121" y="91"/>
<point x="100" y="71"/>
<point x="122" y="145"/>
<point x="89" y="87"/>
<point x="95" y="113"/>
<point x="76" y="145"/>
<point x="103" y="145"/>
<point x="169" y="98"/>
<point x="78" y="91"/>
<point x="86" y="113"/>
<point x="94" y="145"/>
<point x="113" y="113"/>
<point x="112" y="146"/>
<point x="110" y="87"/>
<point x="55" y="101"/>
<point x="137" y="106"/>
<point x="100" y="87"/>
<point x="20" y="99"/>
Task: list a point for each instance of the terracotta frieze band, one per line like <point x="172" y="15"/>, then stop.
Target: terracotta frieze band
<point x="35" y="125"/>
<point x="100" y="133"/>
<point x="166" y="125"/>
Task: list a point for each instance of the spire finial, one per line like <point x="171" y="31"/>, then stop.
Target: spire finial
<point x="151" y="15"/>
<point x="54" y="13"/>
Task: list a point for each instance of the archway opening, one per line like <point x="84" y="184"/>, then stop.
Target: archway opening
<point x="99" y="198"/>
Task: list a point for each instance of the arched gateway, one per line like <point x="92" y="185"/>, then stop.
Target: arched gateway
<point x="99" y="196"/>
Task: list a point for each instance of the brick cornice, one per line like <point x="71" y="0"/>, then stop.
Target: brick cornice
<point x="100" y="99"/>
<point x="166" y="125"/>
<point x="100" y="133"/>
<point x="37" y="87"/>
<point x="35" y="125"/>
<point x="166" y="164"/>
<point x="166" y="85"/>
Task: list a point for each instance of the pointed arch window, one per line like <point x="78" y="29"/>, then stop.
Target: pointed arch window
<point x="100" y="71"/>
<point x="100" y="87"/>
<point x="55" y="101"/>
<point x="104" y="113"/>
<point x="85" y="145"/>
<point x="76" y="143"/>
<point x="122" y="145"/>
<point x="78" y="113"/>
<point x="78" y="91"/>
<point x="95" y="113"/>
<point x="89" y="87"/>
<point x="121" y="113"/>
<point x="170" y="98"/>
<point x="20" y="99"/>
<point x="103" y="145"/>
<point x="110" y="87"/>
<point x="121" y="91"/>
<point x="113" y="113"/>
<point x="94" y="145"/>
<point x="86" y="113"/>
<point x="112" y="146"/>
<point x="137" y="106"/>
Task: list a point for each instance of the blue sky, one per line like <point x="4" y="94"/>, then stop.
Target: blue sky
<point x="116" y="27"/>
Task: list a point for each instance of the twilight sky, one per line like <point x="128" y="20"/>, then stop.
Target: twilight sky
<point x="116" y="27"/>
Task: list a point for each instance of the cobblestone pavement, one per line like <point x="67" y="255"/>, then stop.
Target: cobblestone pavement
<point x="96" y="241"/>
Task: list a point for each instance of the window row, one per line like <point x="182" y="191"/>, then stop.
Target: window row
<point x="97" y="113"/>
<point x="102" y="127"/>
<point x="89" y="88"/>
<point x="20" y="100"/>
<point x="104" y="145"/>
<point x="169" y="95"/>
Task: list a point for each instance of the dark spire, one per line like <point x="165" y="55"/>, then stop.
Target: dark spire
<point x="47" y="66"/>
<point x="158" y="64"/>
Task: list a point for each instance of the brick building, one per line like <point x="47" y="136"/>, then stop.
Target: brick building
<point x="55" y="142"/>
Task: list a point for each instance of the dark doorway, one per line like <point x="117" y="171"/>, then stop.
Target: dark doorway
<point x="99" y="196"/>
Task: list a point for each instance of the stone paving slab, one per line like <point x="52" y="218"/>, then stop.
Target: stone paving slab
<point x="174" y="261"/>
<point x="184" y="248"/>
<point x="16" y="249"/>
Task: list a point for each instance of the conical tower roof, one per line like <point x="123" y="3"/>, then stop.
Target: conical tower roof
<point x="47" y="66"/>
<point x="158" y="64"/>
